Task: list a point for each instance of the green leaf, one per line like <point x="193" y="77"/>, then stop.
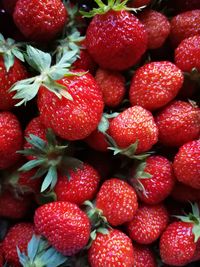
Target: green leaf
<point x="8" y="60"/>
<point x="36" y="142"/>
<point x="103" y="231"/>
<point x="32" y="164"/>
<point x="50" y="179"/>
<point x="196" y="232"/>
<point x="33" y="246"/>
<point x="18" y="54"/>
<point x="103" y="125"/>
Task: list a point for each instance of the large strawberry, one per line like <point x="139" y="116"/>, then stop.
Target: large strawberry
<point x="155" y="84"/>
<point x="144" y="256"/>
<point x="64" y="225"/>
<point x="178" y="123"/>
<point x="112" y="249"/>
<point x="186" y="164"/>
<point x="40" y="20"/>
<point x="120" y="45"/>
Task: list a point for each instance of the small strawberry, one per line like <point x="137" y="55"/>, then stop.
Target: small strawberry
<point x="144" y="256"/>
<point x="81" y="185"/>
<point x="11" y="139"/>
<point x="153" y="180"/>
<point x="155" y="84"/>
<point x="64" y="225"/>
<point x="148" y="224"/>
<point x="112" y="249"/>
<point x="184" y="193"/>
<point x="186" y="164"/>
<point x="117" y="200"/>
<point x="139" y="3"/>
<point x="157" y="27"/>
<point x="184" y="25"/>
<point x="178" y="123"/>
<point x="38" y="20"/>
<point x="18" y="236"/>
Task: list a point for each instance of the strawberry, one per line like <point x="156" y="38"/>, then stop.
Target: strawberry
<point x="184" y="25"/>
<point x="11" y="139"/>
<point x="139" y="3"/>
<point x="81" y="185"/>
<point x="18" y="236"/>
<point x="178" y="123"/>
<point x="112" y="85"/>
<point x="184" y="193"/>
<point x="144" y="256"/>
<point x="1" y="256"/>
<point x="153" y="179"/>
<point x="155" y="84"/>
<point x="120" y="45"/>
<point x="186" y="164"/>
<point x="148" y="224"/>
<point x="112" y="249"/>
<point x="187" y="54"/>
<point x="134" y="125"/>
<point x="64" y="225"/>
<point x="38" y="20"/>
<point x="117" y="200"/>
<point x="157" y="27"/>
<point x="97" y="141"/>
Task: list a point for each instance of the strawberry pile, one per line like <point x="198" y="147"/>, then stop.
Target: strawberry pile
<point x="99" y="133"/>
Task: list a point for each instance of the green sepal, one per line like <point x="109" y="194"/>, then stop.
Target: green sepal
<point x="140" y="173"/>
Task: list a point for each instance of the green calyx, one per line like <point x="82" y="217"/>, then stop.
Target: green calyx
<point x="40" y="254"/>
<point x="9" y="49"/>
<point x="104" y="123"/>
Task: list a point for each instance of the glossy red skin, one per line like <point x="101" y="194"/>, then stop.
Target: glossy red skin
<point x="187" y="54"/>
<point x="64" y="225"/>
<point x="157" y="27"/>
<point x="97" y="141"/>
<point x="76" y="119"/>
<point x="82" y="186"/>
<point x="177" y="246"/>
<point x="184" y="25"/>
<point x="134" y="124"/>
<point x="113" y="249"/>
<point x="27" y="183"/>
<point x="40" y="20"/>
<point x="16" y="73"/>
<point x="116" y="40"/>
<point x="144" y="256"/>
<point x="184" y="193"/>
<point x="117" y="200"/>
<point x="186" y="164"/>
<point x="112" y="85"/>
<point x="18" y="236"/>
<point x="155" y="84"/>
<point x="139" y="3"/>
<point x="148" y="224"/>
<point x="178" y="123"/>
<point x="11" y="139"/>
<point x="9" y="5"/>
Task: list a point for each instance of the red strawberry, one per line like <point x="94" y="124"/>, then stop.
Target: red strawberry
<point x="112" y="85"/>
<point x="40" y="20"/>
<point x="148" y="224"/>
<point x="187" y="54"/>
<point x="117" y="200"/>
<point x="132" y="125"/>
<point x="157" y="27"/>
<point x="64" y="225"/>
<point x="139" y="3"/>
<point x="178" y="123"/>
<point x="97" y="141"/>
<point x="144" y="256"/>
<point x="186" y="164"/>
<point x="18" y="236"/>
<point x="155" y="84"/>
<point x="120" y="45"/>
<point x="112" y="249"/>
<point x="184" y="193"/>
<point x="81" y="185"/>
<point x="185" y="25"/>
<point x="1" y="256"/>
<point x="153" y="180"/>
<point x="11" y="139"/>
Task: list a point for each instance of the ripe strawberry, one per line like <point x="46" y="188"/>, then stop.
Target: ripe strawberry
<point x="64" y="225"/>
<point x="148" y="224"/>
<point x="11" y="139"/>
<point x="18" y="236"/>
<point x="81" y="185"/>
<point x="9" y="5"/>
<point x="112" y="85"/>
<point x="132" y="125"/>
<point x="144" y="256"/>
<point x="38" y="20"/>
<point x="157" y="27"/>
<point x="155" y="84"/>
<point x="178" y="123"/>
<point x="187" y="54"/>
<point x="184" y="25"/>
<point x="186" y="164"/>
<point x="139" y="3"/>
<point x="120" y="45"/>
<point x="97" y="141"/>
<point x="184" y="193"/>
<point x="153" y="180"/>
<point x="112" y="249"/>
<point x="117" y="200"/>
